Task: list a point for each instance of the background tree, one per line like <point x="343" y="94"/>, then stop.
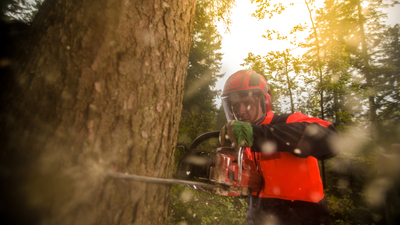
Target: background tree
<point x="93" y="93"/>
<point x="6" y="5"/>
<point x="330" y="59"/>
<point x="369" y="30"/>
<point x="200" y="114"/>
<point x="258" y="64"/>
<point x="356" y="60"/>
<point x="199" y="109"/>
<point x="313" y="58"/>
<point x="281" y="69"/>
<point x="319" y="62"/>
<point x="388" y="98"/>
<point x="345" y="49"/>
<point x="100" y="89"/>
<point x="22" y="10"/>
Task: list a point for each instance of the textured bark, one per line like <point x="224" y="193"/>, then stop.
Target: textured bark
<point x="101" y="89"/>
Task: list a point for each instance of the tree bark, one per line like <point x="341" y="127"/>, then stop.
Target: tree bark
<point x="100" y="90"/>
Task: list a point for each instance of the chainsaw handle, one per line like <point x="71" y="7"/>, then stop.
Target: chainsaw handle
<point x="240" y="162"/>
<point x="204" y="137"/>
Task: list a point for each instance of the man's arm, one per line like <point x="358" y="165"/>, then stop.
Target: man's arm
<point x="301" y="135"/>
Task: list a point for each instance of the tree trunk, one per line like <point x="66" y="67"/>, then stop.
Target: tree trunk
<point x="100" y="90"/>
<point x="288" y="83"/>
<point x="321" y="83"/>
<point x="336" y="107"/>
<point x="367" y="73"/>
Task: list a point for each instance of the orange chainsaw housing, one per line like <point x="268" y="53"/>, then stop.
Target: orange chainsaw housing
<point x="226" y="171"/>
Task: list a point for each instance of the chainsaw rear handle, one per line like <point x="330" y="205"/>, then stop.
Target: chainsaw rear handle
<point x="224" y="166"/>
<point x="204" y="137"/>
<point x="215" y="134"/>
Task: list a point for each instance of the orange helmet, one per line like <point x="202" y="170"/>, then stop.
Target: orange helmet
<point x="246" y="82"/>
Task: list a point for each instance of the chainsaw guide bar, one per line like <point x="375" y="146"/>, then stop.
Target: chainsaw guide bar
<point x="165" y="180"/>
<point x="224" y="171"/>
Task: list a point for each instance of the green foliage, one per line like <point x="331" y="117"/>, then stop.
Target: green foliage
<point x="200" y="114"/>
<point x="269" y="8"/>
<point x="276" y="67"/>
<point x="5" y="6"/>
<point x="388" y="95"/>
<point x="22" y="10"/>
<point x="271" y="33"/>
<point x="243" y="133"/>
<point x="347" y="176"/>
<point x="349" y="76"/>
<point x="190" y="206"/>
<point x="218" y="10"/>
<point x="199" y="109"/>
<point x="333" y="62"/>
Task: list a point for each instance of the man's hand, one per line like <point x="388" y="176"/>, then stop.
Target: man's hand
<point x="239" y="133"/>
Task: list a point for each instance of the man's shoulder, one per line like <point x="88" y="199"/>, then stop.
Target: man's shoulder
<point x="298" y="117"/>
<point x="280" y="118"/>
<point x="287" y="118"/>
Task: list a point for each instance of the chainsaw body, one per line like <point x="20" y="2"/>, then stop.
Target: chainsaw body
<point x="236" y="174"/>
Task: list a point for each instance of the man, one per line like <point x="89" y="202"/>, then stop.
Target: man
<point x="285" y="149"/>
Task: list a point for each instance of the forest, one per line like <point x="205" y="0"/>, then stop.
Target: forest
<point x="92" y="86"/>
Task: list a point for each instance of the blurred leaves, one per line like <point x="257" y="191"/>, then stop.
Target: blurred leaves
<point x="277" y="67"/>
<point x="348" y="75"/>
<point x="363" y="179"/>
<point x="199" y="115"/>
<point x="199" y="110"/>
<point x="206" y="208"/>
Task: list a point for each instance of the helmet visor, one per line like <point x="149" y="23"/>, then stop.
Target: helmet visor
<point x="245" y="105"/>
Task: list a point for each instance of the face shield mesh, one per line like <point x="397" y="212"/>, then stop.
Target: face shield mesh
<point x="226" y="103"/>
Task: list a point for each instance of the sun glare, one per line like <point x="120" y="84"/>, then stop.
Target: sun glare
<point x="246" y="34"/>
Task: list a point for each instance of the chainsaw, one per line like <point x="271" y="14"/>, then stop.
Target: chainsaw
<point x="224" y="171"/>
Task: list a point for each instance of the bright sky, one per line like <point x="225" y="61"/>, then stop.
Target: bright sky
<point x="246" y="31"/>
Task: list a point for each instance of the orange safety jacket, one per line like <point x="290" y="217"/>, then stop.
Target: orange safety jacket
<point x="285" y="151"/>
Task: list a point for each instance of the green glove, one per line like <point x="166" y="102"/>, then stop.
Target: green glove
<point x="239" y="133"/>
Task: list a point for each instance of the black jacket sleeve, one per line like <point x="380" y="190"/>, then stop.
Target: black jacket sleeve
<point x="302" y="139"/>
